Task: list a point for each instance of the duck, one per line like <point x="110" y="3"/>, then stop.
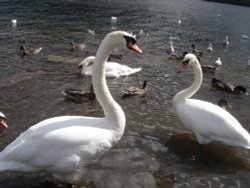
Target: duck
<point x="77" y="95"/>
<point x="113" y="69"/>
<point x="218" y="62"/>
<point x="61" y="145"/>
<point x="225" y="42"/>
<point x="90" y="31"/>
<point x="223" y="103"/>
<point x="210" y="48"/>
<point x="24" y="51"/>
<point x="196" y="51"/>
<point x="210" y="123"/>
<point x="3" y="120"/>
<point x="74" y="46"/>
<point x="228" y="87"/>
<point x="132" y="91"/>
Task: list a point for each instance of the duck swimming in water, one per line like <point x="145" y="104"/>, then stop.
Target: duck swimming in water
<point x="78" y="95"/>
<point x="132" y="91"/>
<point x="24" y="51"/>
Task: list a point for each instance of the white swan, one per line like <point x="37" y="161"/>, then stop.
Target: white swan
<point x="209" y="122"/>
<point x="60" y="145"/>
<point x="112" y="69"/>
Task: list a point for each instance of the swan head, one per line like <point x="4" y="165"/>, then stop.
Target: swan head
<point x="122" y="39"/>
<point x="189" y="59"/>
<point x="240" y="90"/>
<point x="88" y="61"/>
<point x="3" y="120"/>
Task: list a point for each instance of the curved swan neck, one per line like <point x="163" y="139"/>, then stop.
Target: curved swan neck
<point x="112" y="111"/>
<point x="198" y="76"/>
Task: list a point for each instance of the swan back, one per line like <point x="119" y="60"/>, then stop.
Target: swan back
<point x="212" y="123"/>
<point x="87" y="61"/>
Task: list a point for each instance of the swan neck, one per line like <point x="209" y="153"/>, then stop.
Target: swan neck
<point x="195" y="86"/>
<point x="112" y="110"/>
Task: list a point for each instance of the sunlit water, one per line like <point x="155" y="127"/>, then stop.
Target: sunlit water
<point x="156" y="150"/>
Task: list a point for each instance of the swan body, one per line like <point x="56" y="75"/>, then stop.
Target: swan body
<point x="209" y="122"/>
<point x="60" y="145"/>
<point x="113" y="69"/>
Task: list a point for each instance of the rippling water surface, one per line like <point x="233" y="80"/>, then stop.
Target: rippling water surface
<point x="156" y="150"/>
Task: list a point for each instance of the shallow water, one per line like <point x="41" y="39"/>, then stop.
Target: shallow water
<point x="156" y="150"/>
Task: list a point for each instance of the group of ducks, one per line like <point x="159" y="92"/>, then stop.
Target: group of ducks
<point x="215" y="83"/>
<point x="61" y="145"/>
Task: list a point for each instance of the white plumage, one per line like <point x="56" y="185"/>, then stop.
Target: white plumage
<point x="59" y="145"/>
<point x="113" y="69"/>
<point x="209" y="122"/>
<point x="218" y="62"/>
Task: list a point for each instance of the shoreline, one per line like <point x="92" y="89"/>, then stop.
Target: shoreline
<point x="238" y="2"/>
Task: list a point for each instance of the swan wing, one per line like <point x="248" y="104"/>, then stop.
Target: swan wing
<point x="121" y="70"/>
<point x="54" y="142"/>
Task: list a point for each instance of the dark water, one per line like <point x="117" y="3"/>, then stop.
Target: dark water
<point x="156" y="150"/>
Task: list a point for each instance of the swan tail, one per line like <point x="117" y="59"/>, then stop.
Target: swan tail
<point x="135" y="70"/>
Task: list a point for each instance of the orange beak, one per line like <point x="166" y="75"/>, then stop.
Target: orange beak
<point x="4" y="123"/>
<point x="134" y="47"/>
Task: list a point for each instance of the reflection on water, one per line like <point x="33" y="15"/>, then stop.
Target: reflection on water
<point x="155" y="151"/>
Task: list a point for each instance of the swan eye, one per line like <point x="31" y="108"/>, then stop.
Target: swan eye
<point x="130" y="40"/>
<point x="185" y="62"/>
<point x="131" y="44"/>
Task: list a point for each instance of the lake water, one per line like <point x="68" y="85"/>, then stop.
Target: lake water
<point x="156" y="150"/>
